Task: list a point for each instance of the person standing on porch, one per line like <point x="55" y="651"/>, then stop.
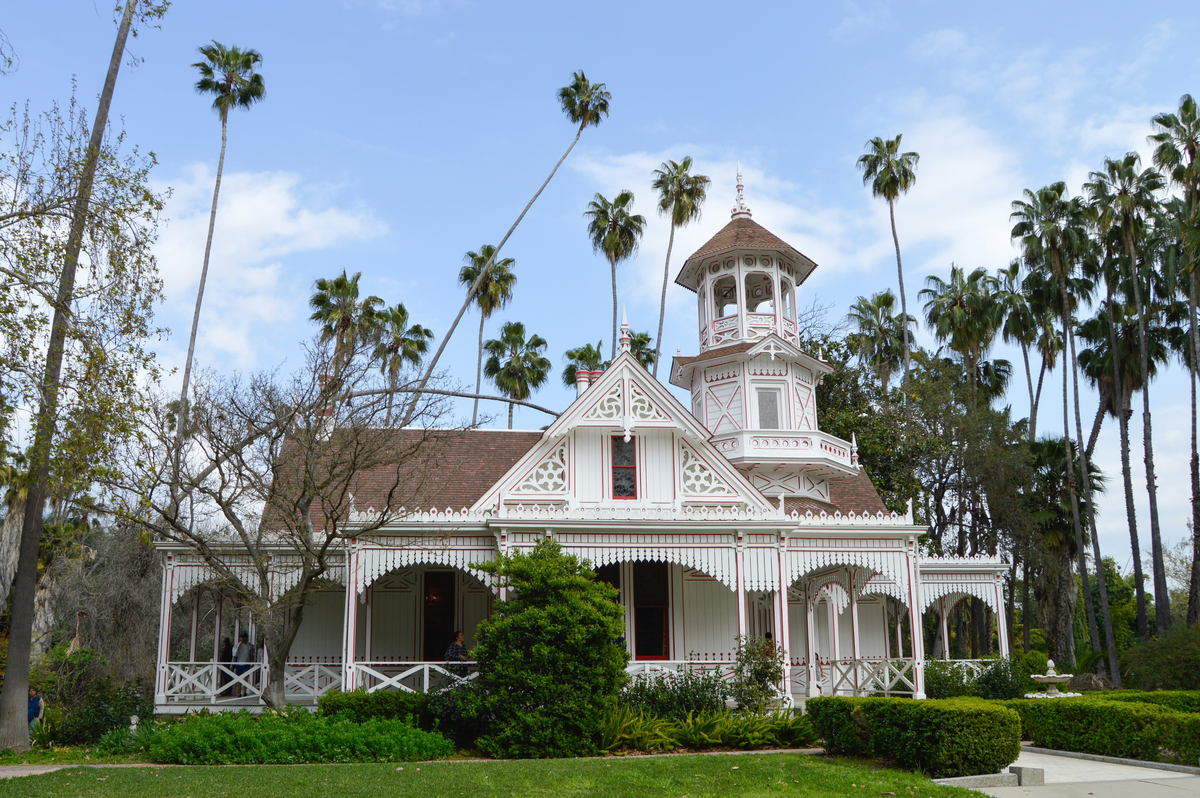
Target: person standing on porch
<point x="224" y="658"/>
<point x="457" y="652"/>
<point x="243" y="655"/>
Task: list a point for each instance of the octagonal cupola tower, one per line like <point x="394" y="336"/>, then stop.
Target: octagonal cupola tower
<point x="752" y="385"/>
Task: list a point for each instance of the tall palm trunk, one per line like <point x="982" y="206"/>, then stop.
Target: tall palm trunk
<point x="662" y="305"/>
<point x="1114" y="668"/>
<point x="1162" y="598"/>
<point x="903" y="298"/>
<point x="478" y="369"/>
<point x="14" y="727"/>
<point x="1029" y="383"/>
<point x="1193" y="608"/>
<point x="612" y="260"/>
<point x="1072" y="487"/>
<point x="1143" y="627"/>
<point x="393" y="381"/>
<point x="510" y="415"/>
<point x="483" y="273"/>
<point x="181" y="419"/>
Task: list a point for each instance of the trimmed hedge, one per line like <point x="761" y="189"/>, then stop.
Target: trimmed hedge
<point x="942" y="738"/>
<point x="292" y="737"/>
<point x="1178" y="700"/>
<point x="361" y="706"/>
<point x="1111" y="726"/>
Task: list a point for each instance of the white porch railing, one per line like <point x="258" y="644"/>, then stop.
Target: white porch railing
<point x="970" y="668"/>
<point x="217" y="683"/>
<point x="858" y="677"/>
<point x="413" y="677"/>
<point x="311" y="681"/>
<point x="724" y="669"/>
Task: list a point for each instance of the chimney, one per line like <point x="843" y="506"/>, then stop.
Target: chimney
<point x="582" y="379"/>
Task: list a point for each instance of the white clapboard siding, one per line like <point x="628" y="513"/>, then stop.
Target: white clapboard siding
<point x="656" y="474"/>
<point x="871" y="629"/>
<point x="474" y="605"/>
<point x="320" y="633"/>
<point x="824" y="640"/>
<point x="394" y="620"/>
<point x="589" y="464"/>
<point x="710" y="618"/>
<point x="798" y="630"/>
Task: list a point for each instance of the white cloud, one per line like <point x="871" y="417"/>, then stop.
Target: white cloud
<point x="262" y="219"/>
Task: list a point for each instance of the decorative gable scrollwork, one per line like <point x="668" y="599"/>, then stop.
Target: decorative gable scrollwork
<point x="642" y="409"/>
<point x="698" y="478"/>
<point x="608" y="408"/>
<point x="550" y="475"/>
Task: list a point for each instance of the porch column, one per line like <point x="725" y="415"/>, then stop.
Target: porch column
<point x="370" y="630"/>
<point x="782" y="625"/>
<point x="740" y="568"/>
<point x="1001" y="619"/>
<point x="350" y="622"/>
<point x="219" y="604"/>
<point x="943" y="611"/>
<point x="810" y="632"/>
<point x="835" y="628"/>
<point x="854" y="647"/>
<point x="899" y="632"/>
<point x="914" y="614"/>
<point x="164" y="629"/>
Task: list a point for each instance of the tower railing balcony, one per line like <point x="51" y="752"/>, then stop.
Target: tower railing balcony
<point x="818" y="451"/>
<point x="750" y="327"/>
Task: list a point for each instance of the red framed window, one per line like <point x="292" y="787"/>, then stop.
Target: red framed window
<point x="624" y="468"/>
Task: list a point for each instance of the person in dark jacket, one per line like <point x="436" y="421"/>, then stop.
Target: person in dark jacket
<point x="225" y="657"/>
<point x="457" y="652"/>
<point x="37" y="706"/>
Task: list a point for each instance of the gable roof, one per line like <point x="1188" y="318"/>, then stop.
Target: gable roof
<point x="663" y="411"/>
<point x="854" y="495"/>
<point x="742" y="233"/>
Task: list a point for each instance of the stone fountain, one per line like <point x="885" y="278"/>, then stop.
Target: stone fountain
<point x="1052" y="679"/>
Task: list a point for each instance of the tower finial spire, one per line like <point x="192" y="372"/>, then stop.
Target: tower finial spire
<point x="740" y="211"/>
<point x="625" y="337"/>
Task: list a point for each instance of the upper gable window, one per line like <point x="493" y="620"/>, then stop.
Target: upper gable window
<point x="768" y="408"/>
<point x="624" y="468"/>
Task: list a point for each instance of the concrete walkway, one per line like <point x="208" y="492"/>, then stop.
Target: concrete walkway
<point x="1080" y="778"/>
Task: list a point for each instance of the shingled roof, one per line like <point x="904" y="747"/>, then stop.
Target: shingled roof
<point x="741" y="233"/>
<point x="855" y="495"/>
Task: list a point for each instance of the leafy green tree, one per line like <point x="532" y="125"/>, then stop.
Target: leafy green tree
<point x="586" y="358"/>
<point x="549" y="655"/>
<point x="1178" y="145"/>
<point x="494" y="293"/>
<point x="230" y="75"/>
<point x="876" y="340"/>
<point x="891" y="173"/>
<point x="615" y="231"/>
<point x="964" y="312"/>
<point x="515" y="364"/>
<point x="119" y="259"/>
<point x="681" y="196"/>
<point x="586" y="104"/>
<point x="343" y="316"/>
<point x="397" y="343"/>
<point x="1128" y="195"/>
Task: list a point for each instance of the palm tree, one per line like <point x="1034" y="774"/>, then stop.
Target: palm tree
<point x="583" y="358"/>
<point x="398" y="343"/>
<point x="230" y="75"/>
<point x="1051" y="230"/>
<point x="891" y="173"/>
<point x="966" y="313"/>
<point x="680" y="196"/>
<point x="585" y="103"/>
<point x="876" y="340"/>
<point x="615" y="232"/>
<point x="1020" y="327"/>
<point x="1129" y="196"/>
<point x="343" y="317"/>
<point x="14" y="731"/>
<point x="642" y="348"/>
<point x="495" y="291"/>
<point x="516" y="365"/>
<point x="1178" y="145"/>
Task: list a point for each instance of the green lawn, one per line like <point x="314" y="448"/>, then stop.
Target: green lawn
<point x="643" y="777"/>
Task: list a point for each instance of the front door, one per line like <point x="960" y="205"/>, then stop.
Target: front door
<point x="439" y="603"/>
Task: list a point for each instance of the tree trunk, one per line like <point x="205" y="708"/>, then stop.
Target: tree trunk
<point x="1026" y="637"/>
<point x="1162" y="596"/>
<point x="1029" y="382"/>
<point x="10" y="545"/>
<point x="393" y="383"/>
<point x="612" y="260"/>
<point x="478" y="368"/>
<point x="1114" y="668"/>
<point x="510" y="415"/>
<point x="1193" y="607"/>
<point x="181" y="416"/>
<point x="14" y="728"/>
<point x="903" y="298"/>
<point x="1097" y="423"/>
<point x="1037" y="400"/>
<point x="483" y="273"/>
<point x="662" y="305"/>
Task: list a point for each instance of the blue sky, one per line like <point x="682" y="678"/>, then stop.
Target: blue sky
<point x="398" y="134"/>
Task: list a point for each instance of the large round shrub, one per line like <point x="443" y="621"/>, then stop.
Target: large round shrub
<point x="548" y="655"/>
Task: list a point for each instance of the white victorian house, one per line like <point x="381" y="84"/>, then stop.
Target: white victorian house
<point x="738" y="516"/>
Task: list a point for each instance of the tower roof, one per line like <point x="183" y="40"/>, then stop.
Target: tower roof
<point x="742" y="232"/>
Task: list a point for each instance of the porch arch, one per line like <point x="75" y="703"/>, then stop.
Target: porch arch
<point x="716" y="561"/>
<point x="369" y="563"/>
